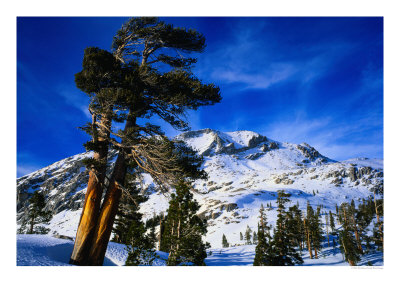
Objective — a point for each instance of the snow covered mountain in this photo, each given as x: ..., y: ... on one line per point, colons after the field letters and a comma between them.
x: 245, y: 170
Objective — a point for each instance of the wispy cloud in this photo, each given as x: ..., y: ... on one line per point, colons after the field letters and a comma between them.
x: 247, y: 61
x: 336, y: 140
x: 73, y: 97
x: 25, y: 169
x: 274, y: 74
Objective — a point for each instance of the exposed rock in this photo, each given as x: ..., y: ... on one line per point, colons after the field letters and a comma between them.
x: 229, y: 206
x: 337, y: 181
x: 310, y: 152
x: 352, y: 173
x: 254, y: 155
x: 215, y: 214
x: 64, y: 237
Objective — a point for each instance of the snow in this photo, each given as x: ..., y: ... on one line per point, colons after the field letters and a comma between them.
x: 44, y: 250
x: 235, y: 180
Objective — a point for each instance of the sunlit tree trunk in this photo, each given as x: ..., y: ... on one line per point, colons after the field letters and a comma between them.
x: 308, y: 239
x: 327, y: 229
x: 378, y: 220
x: 109, y: 208
x: 91, y: 206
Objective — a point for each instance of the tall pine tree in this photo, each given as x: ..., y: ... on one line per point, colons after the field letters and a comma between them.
x: 225, y: 243
x: 264, y: 252
x: 184, y: 229
x: 154, y: 78
x: 284, y: 251
x: 37, y: 216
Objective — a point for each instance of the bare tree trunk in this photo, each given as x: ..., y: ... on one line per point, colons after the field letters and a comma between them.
x: 308, y: 239
x: 31, y: 227
x: 107, y: 214
x: 357, y: 235
x: 327, y: 229
x: 109, y: 208
x: 91, y: 206
x: 159, y: 236
x: 378, y: 220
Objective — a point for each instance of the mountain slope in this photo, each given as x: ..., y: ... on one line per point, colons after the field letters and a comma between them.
x: 245, y: 170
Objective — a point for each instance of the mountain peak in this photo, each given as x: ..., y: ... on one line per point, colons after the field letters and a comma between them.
x: 210, y: 142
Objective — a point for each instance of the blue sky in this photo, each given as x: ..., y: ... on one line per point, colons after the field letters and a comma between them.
x: 314, y: 80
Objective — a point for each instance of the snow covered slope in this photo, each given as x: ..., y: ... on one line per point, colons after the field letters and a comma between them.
x: 245, y: 170
x: 44, y: 250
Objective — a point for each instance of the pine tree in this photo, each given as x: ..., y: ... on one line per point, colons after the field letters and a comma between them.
x: 348, y: 243
x: 129, y: 229
x: 327, y: 228
x: 184, y: 229
x: 225, y: 243
x: 333, y: 229
x: 241, y: 236
x: 317, y: 232
x: 284, y: 251
x: 254, y: 238
x: 378, y: 225
x: 36, y: 215
x: 264, y: 253
x: 128, y: 210
x: 248, y: 235
x: 100, y: 79
x: 295, y: 227
x: 151, y: 78
x: 307, y: 221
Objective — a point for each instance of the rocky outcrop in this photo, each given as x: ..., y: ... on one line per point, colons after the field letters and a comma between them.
x: 311, y: 153
x: 355, y: 173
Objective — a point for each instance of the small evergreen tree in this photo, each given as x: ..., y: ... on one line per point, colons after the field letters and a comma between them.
x: 140, y: 245
x: 248, y: 235
x: 317, y: 232
x: 184, y: 229
x: 254, y: 238
x: 264, y: 252
x: 241, y: 236
x: 37, y: 216
x: 333, y: 228
x: 284, y: 252
x: 295, y: 227
x: 378, y: 225
x: 348, y: 243
x: 225, y: 243
x: 128, y: 211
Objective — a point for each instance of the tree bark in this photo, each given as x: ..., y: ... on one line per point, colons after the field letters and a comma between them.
x: 109, y: 208
x: 31, y: 227
x: 160, y: 237
x: 357, y: 236
x: 327, y: 229
x: 308, y: 239
x: 91, y: 206
x: 378, y: 220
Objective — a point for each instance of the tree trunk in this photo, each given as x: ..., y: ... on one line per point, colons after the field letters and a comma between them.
x: 91, y: 206
x: 378, y: 220
x: 160, y: 237
x: 109, y: 208
x: 356, y: 234
x: 327, y: 229
x: 31, y: 227
x: 308, y: 239
x: 107, y: 214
